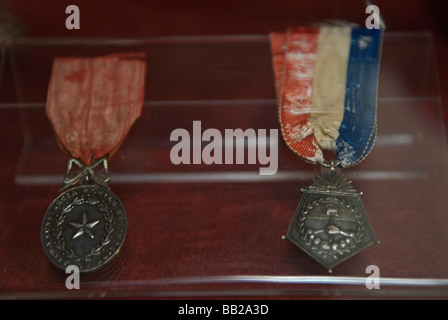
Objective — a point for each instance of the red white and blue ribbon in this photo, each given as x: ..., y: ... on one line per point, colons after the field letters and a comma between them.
x: 326, y: 79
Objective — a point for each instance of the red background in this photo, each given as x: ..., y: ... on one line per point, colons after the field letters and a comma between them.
x: 139, y: 18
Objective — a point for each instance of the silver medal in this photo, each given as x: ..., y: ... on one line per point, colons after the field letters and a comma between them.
x: 330, y: 223
x: 84, y: 226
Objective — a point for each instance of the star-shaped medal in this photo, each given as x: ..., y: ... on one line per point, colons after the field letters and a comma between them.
x: 85, y: 226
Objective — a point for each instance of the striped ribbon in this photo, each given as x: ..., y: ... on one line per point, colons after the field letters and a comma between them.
x: 326, y: 80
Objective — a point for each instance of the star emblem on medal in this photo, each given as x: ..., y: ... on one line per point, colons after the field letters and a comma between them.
x: 85, y: 226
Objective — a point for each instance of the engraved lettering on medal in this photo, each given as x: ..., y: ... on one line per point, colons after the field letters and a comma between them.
x: 86, y: 231
x: 236, y: 143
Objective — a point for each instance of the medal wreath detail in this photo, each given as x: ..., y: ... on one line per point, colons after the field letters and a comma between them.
x: 330, y: 223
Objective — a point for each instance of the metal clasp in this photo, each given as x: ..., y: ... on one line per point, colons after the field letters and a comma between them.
x: 86, y: 173
x: 332, y: 165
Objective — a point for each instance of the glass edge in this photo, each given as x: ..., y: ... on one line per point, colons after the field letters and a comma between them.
x: 339, y: 287
x: 110, y: 41
x: 106, y: 41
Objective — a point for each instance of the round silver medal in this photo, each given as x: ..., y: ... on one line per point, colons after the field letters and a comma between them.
x: 84, y: 226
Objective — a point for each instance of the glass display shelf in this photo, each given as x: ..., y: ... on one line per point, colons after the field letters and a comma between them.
x: 202, y: 230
